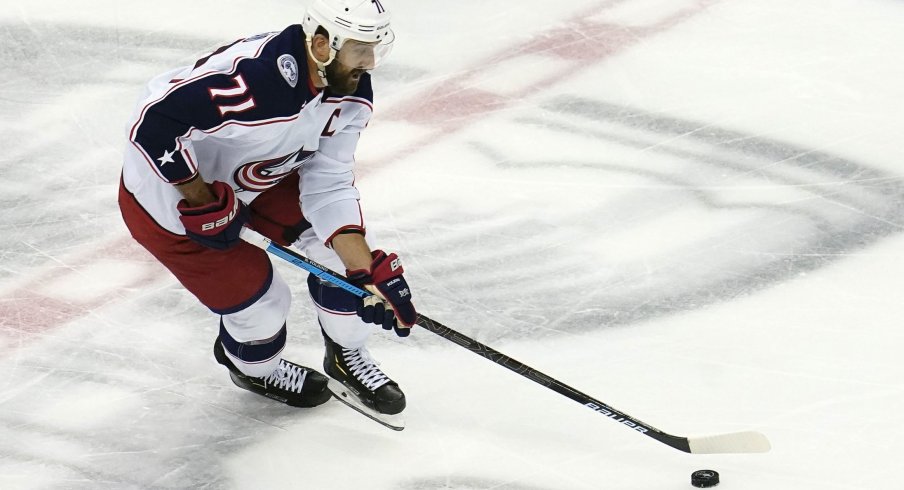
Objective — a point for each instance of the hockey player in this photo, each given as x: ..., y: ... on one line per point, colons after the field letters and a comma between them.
x: 262, y: 133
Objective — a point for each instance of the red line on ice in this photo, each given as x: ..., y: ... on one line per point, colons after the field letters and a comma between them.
x: 446, y: 108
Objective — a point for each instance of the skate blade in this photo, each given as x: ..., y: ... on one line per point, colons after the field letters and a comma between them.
x: 394, y: 422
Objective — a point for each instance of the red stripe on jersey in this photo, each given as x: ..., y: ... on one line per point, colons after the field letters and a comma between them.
x: 350, y: 99
x: 334, y: 312
x: 187, y: 154
x: 359, y: 227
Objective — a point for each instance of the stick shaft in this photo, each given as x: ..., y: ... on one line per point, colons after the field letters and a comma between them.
x: 677, y: 442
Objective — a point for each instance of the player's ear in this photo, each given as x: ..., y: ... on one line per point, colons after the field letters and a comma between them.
x: 320, y: 46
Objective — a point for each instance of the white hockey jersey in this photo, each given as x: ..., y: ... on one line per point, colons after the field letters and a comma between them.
x: 248, y: 115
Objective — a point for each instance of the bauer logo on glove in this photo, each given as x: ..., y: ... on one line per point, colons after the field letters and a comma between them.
x: 216, y: 224
x: 385, y: 281
x: 225, y: 220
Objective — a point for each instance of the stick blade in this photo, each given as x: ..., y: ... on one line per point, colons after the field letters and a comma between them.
x: 734, y: 442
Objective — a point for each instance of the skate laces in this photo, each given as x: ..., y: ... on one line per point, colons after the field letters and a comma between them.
x: 287, y: 376
x: 364, y: 367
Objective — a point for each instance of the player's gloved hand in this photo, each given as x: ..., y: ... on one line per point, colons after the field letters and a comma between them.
x: 217, y: 224
x: 385, y: 280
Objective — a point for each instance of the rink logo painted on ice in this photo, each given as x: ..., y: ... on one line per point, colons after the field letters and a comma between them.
x: 261, y: 175
x: 744, y: 212
x: 616, y: 417
x: 288, y: 67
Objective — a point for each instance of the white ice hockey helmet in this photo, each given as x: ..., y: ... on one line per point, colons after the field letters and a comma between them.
x: 362, y: 20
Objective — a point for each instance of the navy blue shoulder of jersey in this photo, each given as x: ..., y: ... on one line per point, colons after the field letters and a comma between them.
x: 270, y: 86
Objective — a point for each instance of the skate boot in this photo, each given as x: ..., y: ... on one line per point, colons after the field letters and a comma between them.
x: 290, y: 383
x: 358, y: 382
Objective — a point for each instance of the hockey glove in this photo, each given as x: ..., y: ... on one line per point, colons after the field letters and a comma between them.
x: 217, y: 224
x: 385, y: 280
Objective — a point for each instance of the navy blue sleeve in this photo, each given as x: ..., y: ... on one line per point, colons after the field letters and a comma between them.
x: 156, y: 137
x: 253, y: 91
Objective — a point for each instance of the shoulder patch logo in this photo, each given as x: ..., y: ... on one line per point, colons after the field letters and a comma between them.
x: 289, y: 69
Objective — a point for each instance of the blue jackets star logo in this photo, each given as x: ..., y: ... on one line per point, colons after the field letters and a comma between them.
x: 166, y: 158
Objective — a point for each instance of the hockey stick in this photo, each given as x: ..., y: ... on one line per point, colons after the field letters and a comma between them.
x: 733, y: 442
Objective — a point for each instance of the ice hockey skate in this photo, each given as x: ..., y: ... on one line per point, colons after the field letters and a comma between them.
x: 357, y: 381
x: 290, y: 383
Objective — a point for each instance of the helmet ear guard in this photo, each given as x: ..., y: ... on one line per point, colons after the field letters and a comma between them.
x: 365, y: 21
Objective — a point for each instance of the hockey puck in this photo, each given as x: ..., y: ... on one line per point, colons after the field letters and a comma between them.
x: 704, y: 478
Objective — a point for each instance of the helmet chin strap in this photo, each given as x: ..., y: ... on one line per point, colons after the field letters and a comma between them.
x: 321, y: 66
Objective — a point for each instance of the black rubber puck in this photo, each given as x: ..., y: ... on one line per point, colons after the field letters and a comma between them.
x: 704, y: 478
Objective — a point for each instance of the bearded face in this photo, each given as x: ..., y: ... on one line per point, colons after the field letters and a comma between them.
x: 353, y: 60
x: 343, y: 80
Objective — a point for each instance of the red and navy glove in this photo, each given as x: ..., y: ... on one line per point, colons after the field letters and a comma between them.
x: 384, y: 279
x: 216, y: 224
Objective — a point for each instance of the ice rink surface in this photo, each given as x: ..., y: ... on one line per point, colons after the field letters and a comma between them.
x: 689, y: 209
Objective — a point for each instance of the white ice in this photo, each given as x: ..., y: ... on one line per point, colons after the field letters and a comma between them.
x: 689, y: 209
